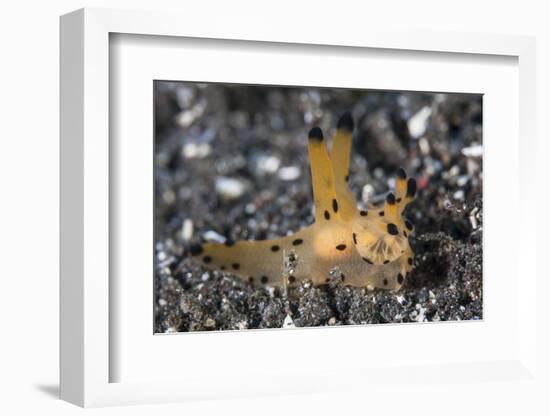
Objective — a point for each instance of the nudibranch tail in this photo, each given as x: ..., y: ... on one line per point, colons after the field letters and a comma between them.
x: 254, y: 261
x: 261, y: 262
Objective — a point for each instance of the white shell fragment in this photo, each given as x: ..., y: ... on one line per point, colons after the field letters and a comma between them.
x: 289, y: 173
x: 194, y: 150
x: 288, y: 322
x: 473, y: 151
x: 267, y: 164
x: 419, y: 122
x: 213, y: 236
x: 230, y: 188
x: 187, y: 229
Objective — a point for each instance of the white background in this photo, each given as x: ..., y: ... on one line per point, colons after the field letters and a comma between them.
x: 29, y: 183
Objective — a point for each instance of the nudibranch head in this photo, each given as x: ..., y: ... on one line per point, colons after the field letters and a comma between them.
x: 380, y: 235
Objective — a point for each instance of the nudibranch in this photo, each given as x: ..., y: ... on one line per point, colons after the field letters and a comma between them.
x: 365, y: 248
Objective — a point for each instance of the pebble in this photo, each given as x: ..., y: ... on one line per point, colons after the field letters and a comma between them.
x: 186, y: 118
x: 169, y: 197
x: 266, y: 164
x: 187, y: 229
x: 424, y: 146
x: 213, y: 236
x: 418, y: 123
x: 367, y: 193
x: 473, y: 151
x: 459, y: 195
x: 454, y: 171
x: 194, y: 150
x: 289, y: 173
x: 421, y: 315
x: 184, y: 95
x: 288, y: 322
x: 462, y: 180
x: 473, y: 219
x: 230, y: 188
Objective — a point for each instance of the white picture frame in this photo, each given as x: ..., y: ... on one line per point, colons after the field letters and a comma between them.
x: 87, y: 356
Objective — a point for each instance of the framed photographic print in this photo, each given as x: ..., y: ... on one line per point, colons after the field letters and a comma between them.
x: 286, y: 213
x: 247, y: 238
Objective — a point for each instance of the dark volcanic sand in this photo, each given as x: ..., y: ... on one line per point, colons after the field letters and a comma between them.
x: 231, y: 162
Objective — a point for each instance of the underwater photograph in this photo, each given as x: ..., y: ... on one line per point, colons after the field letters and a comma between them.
x: 285, y: 207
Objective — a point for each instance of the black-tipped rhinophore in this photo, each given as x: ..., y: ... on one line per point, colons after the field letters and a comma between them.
x: 401, y: 174
x: 195, y: 249
x: 411, y: 188
x: 315, y: 134
x: 346, y: 122
x: 390, y: 199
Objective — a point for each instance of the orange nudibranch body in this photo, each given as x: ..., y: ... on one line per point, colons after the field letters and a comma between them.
x: 364, y: 248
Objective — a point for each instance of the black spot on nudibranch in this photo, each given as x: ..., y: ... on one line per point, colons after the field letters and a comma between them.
x: 222, y: 267
x: 411, y: 188
x: 385, y: 282
x: 207, y: 259
x: 392, y: 229
x: 341, y: 247
x: 404, y: 233
x: 363, y: 213
x: 354, y: 238
x: 399, y: 278
x: 275, y: 248
x: 346, y: 178
x: 345, y: 122
x: 401, y: 174
x: 327, y: 215
x: 291, y: 279
x: 195, y: 249
x: 264, y: 279
x: 381, y: 213
x: 367, y: 260
x: 251, y: 279
x: 410, y: 261
x: 315, y: 134
x: 236, y: 266
x: 335, y: 205
x: 297, y: 242
x: 390, y: 199
x: 408, y: 225
x: 386, y: 261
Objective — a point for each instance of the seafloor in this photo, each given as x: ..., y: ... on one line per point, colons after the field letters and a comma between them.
x: 231, y: 162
